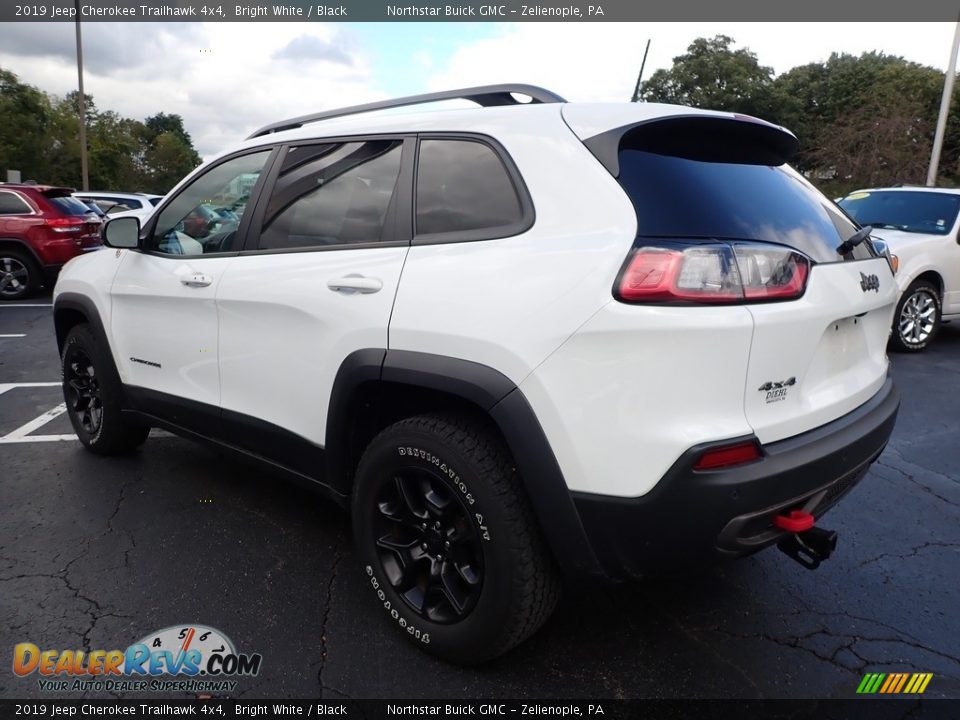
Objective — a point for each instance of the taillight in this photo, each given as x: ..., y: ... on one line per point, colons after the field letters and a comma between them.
x: 65, y: 225
x: 712, y: 272
x: 728, y: 455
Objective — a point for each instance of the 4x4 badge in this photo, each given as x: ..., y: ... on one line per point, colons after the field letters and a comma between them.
x: 869, y: 282
x: 777, y: 390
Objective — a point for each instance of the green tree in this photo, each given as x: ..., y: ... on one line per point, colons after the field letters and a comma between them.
x: 167, y: 160
x: 712, y: 75
x: 39, y: 135
x: 866, y: 120
x: 25, y: 116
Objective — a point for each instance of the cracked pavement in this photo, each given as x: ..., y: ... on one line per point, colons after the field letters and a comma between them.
x: 95, y: 553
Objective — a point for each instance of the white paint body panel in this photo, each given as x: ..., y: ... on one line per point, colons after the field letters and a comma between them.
x: 919, y: 253
x: 509, y: 303
x: 284, y: 333
x: 839, y: 360
x: 158, y: 319
x: 636, y: 386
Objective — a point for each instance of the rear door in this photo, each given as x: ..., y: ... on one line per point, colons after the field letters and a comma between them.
x: 316, y: 282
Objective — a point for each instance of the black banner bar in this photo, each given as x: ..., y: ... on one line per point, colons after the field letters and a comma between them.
x: 867, y: 709
x: 473, y: 11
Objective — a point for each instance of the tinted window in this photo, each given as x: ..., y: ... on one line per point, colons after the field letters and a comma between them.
x: 332, y: 194
x: 677, y: 197
x: 461, y: 186
x: 155, y: 201
x: 920, y: 212
x: 11, y: 204
x: 205, y: 215
x: 68, y: 205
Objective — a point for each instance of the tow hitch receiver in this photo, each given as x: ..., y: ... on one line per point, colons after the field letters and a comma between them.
x: 806, y: 544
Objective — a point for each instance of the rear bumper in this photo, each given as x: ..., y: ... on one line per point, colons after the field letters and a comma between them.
x: 692, y: 516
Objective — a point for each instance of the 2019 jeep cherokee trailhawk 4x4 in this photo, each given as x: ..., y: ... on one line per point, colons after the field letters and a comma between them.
x: 518, y: 341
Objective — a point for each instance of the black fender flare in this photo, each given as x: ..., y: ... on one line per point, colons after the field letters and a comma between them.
x: 83, y: 305
x: 503, y: 402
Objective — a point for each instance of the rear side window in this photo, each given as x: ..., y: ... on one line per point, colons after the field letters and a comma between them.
x: 12, y: 204
x: 679, y: 197
x: 68, y: 205
x: 463, y: 186
x: 333, y: 194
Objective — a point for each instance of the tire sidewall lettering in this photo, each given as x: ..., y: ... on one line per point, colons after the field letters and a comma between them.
x: 412, y: 629
x: 445, y: 470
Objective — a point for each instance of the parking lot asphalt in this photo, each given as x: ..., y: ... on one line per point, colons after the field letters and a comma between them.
x: 96, y: 553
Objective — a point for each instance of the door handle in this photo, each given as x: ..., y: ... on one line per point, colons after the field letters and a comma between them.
x: 196, y: 280
x: 355, y: 284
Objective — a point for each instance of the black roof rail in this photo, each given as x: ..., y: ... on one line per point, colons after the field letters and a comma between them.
x: 483, y: 95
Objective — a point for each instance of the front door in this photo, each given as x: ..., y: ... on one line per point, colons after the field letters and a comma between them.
x: 164, y: 322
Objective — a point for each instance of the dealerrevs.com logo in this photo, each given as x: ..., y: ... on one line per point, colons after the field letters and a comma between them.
x: 180, y: 658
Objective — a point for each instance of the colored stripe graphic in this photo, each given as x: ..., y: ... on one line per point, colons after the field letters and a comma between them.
x: 894, y: 683
x: 892, y: 679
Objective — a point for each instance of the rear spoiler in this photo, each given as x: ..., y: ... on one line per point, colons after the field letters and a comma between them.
x: 708, y: 138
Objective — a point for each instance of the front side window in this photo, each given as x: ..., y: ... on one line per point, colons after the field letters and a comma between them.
x: 463, y: 186
x: 204, y: 216
x: 332, y: 194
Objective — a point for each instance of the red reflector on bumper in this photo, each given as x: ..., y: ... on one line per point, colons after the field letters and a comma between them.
x: 727, y: 456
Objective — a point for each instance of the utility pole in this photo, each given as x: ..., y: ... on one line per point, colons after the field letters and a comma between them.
x: 636, y: 90
x: 944, y: 110
x: 84, y: 172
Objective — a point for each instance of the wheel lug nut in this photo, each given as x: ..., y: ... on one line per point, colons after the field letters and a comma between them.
x: 423, y: 546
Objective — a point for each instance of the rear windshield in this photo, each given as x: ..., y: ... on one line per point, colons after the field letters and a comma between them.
x: 69, y: 205
x: 919, y: 212
x: 677, y: 197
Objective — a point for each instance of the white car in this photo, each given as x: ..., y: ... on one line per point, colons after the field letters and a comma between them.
x: 921, y: 229
x: 520, y: 342
x: 115, y: 204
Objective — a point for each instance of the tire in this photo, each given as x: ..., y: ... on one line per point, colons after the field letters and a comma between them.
x: 93, y: 393
x: 917, y: 318
x: 19, y: 275
x: 439, y: 486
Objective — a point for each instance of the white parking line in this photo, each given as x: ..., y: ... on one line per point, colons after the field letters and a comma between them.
x: 10, y: 386
x: 37, y: 422
x: 22, y: 433
x: 14, y: 335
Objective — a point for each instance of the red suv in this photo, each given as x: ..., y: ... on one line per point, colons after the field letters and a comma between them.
x: 41, y: 227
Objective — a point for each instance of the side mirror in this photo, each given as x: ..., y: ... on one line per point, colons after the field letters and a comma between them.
x: 121, y: 232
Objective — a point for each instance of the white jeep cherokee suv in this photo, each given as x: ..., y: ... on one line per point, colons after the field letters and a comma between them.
x: 921, y: 228
x: 519, y: 342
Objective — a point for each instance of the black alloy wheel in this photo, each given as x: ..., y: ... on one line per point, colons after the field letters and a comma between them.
x: 83, y: 391
x: 430, y: 552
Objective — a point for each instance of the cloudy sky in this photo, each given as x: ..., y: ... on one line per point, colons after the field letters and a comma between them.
x: 228, y: 79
